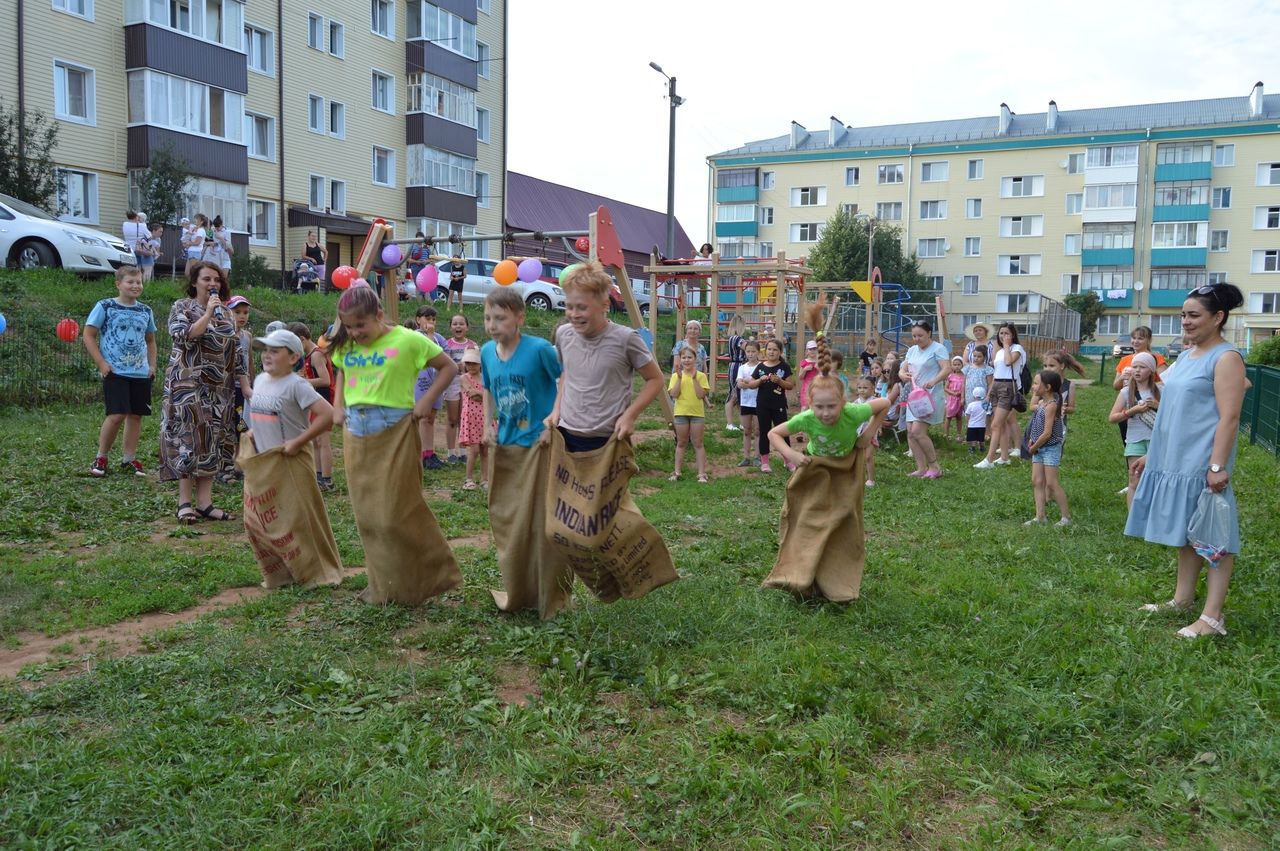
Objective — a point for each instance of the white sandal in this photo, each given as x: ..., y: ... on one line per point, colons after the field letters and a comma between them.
x: 1170, y: 606
x: 1219, y: 627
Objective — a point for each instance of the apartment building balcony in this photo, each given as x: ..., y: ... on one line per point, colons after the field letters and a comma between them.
x: 1112, y: 298
x: 1106, y: 257
x: 1099, y: 215
x: 1162, y: 257
x: 1184, y: 171
x: 1166, y: 298
x: 149, y: 46
x: 737, y: 194
x: 1180, y: 212
x: 432, y: 203
x: 205, y: 157
x: 1099, y: 175
x: 750, y: 228
x: 448, y: 135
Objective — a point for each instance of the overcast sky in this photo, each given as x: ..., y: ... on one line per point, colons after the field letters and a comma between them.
x: 586, y: 110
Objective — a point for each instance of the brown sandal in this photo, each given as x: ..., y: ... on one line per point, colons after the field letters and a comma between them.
x: 211, y: 512
x: 187, y: 515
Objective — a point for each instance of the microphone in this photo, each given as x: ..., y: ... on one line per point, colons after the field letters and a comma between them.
x: 217, y: 311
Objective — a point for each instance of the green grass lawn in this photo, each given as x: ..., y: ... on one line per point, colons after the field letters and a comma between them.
x: 994, y: 688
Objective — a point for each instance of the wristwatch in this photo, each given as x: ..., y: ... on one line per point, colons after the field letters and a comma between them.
x: 1216, y: 468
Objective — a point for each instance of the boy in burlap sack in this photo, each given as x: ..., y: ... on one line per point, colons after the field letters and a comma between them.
x: 406, y: 557
x: 822, y: 547
x: 520, y: 375
x: 284, y: 514
x: 591, y: 518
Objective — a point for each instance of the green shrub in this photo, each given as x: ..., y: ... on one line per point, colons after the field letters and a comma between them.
x: 253, y: 271
x: 1266, y: 352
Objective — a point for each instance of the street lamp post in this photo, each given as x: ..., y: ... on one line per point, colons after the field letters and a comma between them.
x: 675, y: 100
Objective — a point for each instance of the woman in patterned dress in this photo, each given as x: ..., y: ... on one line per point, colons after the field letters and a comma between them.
x: 198, y: 428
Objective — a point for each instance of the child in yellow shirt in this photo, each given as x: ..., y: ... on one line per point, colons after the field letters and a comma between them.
x: 689, y: 389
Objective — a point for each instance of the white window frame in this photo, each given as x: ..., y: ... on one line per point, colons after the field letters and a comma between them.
x: 337, y: 28
x: 1221, y: 194
x: 766, y: 216
x: 969, y: 284
x: 1030, y: 186
x: 1265, y: 261
x: 1266, y: 217
x: 1071, y: 243
x: 806, y: 231
x: 1224, y: 155
x: 482, y: 189
x: 87, y: 14
x: 973, y: 246
x: 1220, y: 240
x: 338, y: 128
x: 267, y: 55
x: 735, y: 212
x: 390, y: 18
x: 883, y: 207
x: 851, y: 175
x: 442, y: 98
x: 808, y: 196
x: 444, y: 170
x: 976, y: 169
x: 1184, y: 235
x: 60, y: 93
x: 768, y: 180
x: 1018, y: 227
x: 1112, y: 189
x: 1166, y: 325
x: 374, y: 73
x: 229, y: 17
x: 250, y: 126
x: 1018, y: 265
x: 483, y: 57
x: 153, y: 103
x: 482, y: 125
x: 1269, y: 174
x: 390, y: 155
x: 1078, y: 205
x: 935, y: 171
x: 931, y: 248
x: 312, y: 101
x: 315, y: 31
x: 271, y: 217
x: 935, y: 282
x: 485, y: 6
x: 90, y: 184
x: 1217, y: 278
x: 338, y: 192
x: 1112, y: 325
x: 1070, y: 283
x: 1076, y: 162
x: 931, y: 211
x: 973, y: 208
x: 311, y: 192
x: 889, y: 174
x: 766, y: 248
x: 1111, y: 156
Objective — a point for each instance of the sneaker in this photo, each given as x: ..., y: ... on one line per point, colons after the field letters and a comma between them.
x: 731, y: 427
x: 99, y: 467
x: 1034, y: 521
x: 432, y: 462
x: 1065, y: 521
x: 1015, y: 453
x: 764, y: 468
x: 984, y: 464
x: 457, y: 459
x: 745, y: 462
x: 326, y: 485
x: 999, y: 463
x: 1124, y: 490
x: 134, y: 467
x: 871, y: 483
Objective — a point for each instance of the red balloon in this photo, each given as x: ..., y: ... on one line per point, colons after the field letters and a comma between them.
x: 68, y: 330
x: 582, y: 244
x: 343, y: 276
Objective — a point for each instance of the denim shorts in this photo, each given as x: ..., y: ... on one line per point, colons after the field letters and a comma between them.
x: 1049, y: 456
x: 366, y: 420
x: 683, y: 420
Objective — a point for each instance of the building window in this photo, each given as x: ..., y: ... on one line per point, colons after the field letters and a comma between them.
x: 1025, y: 186
x: 1217, y: 277
x: 1075, y: 203
x: 889, y: 173
x: 969, y: 284
x: 850, y: 210
x: 315, y: 31
x: 851, y: 175
x: 766, y: 215
x: 1106, y: 156
x: 482, y: 189
x: 1014, y: 303
x: 260, y: 133
x: 933, y: 172
x: 1180, y: 235
x: 1264, y: 302
x: 1071, y: 244
x: 1224, y: 155
x: 384, y: 166
x: 441, y: 98
x: 211, y: 197
x: 806, y: 232
x: 73, y: 93
x: 927, y: 248
x: 1070, y: 283
x: 1106, y: 236
x: 766, y: 249
x: 337, y: 39
x: 315, y: 113
x: 384, y: 92
x: 1179, y: 192
x: 1112, y: 325
x: 79, y: 8
x: 217, y: 21
x: 933, y: 209
x: 1110, y: 196
x: 77, y: 196
x: 1180, y: 280
x: 1019, y: 264
x: 1222, y: 198
x: 808, y: 196
x: 736, y: 213
x: 1075, y: 163
x: 1266, y: 261
x: 1166, y: 324
x: 889, y: 211
x: 1022, y: 225
x: 1106, y: 278
x: 485, y: 6
x: 338, y: 196
x: 1182, y: 152
x: 934, y: 282
x: 1218, y: 240
x: 973, y: 208
x: 445, y: 29
x: 262, y: 222
x: 1266, y: 218
x: 975, y: 169
x: 184, y: 105
x: 482, y: 60
x: 337, y: 119
x: 482, y: 125
x: 257, y: 46
x: 316, y: 198
x: 973, y: 246
x: 734, y: 177
x: 441, y: 169
x: 767, y: 179
x: 1269, y: 174
x: 383, y: 18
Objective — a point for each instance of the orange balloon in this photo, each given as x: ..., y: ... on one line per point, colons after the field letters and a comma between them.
x: 505, y: 273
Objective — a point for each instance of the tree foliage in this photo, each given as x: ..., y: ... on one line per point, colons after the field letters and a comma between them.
x: 1266, y: 352
x: 162, y: 187
x: 841, y: 255
x: 1090, y: 308
x: 31, y: 176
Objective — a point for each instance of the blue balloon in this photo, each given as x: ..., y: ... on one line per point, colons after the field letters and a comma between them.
x: 4, y: 324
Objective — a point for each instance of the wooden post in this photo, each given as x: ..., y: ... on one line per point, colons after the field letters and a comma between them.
x: 713, y: 361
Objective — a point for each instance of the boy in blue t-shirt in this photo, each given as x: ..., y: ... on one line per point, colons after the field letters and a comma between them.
x: 120, y: 335
x: 519, y: 374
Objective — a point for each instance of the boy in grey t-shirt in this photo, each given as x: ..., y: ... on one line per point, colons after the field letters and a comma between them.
x: 285, y: 410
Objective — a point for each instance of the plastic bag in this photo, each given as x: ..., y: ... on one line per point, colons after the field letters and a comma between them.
x: 920, y: 403
x: 1210, y: 528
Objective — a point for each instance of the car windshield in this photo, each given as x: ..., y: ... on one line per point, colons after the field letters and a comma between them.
x: 25, y: 209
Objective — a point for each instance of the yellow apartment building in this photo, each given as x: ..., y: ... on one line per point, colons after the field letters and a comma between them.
x: 294, y: 115
x: 1138, y: 203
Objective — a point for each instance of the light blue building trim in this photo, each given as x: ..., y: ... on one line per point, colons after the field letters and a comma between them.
x: 1127, y: 301
x: 1184, y: 171
x: 1180, y: 213
x: 1166, y: 298
x: 1163, y: 257
x: 736, y: 228
x: 737, y: 194
x: 1106, y: 257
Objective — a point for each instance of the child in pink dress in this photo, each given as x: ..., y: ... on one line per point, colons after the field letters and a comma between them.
x: 955, y: 399
x: 471, y: 427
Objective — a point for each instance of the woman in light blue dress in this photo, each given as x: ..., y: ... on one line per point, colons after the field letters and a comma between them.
x: 930, y: 366
x: 1193, y: 447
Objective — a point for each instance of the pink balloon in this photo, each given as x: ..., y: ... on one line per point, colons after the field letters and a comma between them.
x: 359, y: 282
x: 428, y: 278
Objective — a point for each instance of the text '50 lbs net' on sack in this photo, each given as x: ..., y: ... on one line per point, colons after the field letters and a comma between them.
x: 594, y: 523
x: 285, y: 518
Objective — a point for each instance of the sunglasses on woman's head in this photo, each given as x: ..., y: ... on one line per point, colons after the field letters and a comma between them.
x: 1205, y: 290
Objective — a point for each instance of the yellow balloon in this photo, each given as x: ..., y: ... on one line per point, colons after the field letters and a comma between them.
x: 505, y: 273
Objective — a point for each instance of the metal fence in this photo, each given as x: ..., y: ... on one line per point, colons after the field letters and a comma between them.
x: 1260, y: 417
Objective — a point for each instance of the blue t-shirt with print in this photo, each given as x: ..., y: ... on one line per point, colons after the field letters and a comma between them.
x: 122, y: 335
x: 523, y: 387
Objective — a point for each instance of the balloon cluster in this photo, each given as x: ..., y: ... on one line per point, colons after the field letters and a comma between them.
x: 507, y: 272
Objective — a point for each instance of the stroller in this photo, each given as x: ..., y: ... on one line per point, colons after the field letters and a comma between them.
x: 305, y: 279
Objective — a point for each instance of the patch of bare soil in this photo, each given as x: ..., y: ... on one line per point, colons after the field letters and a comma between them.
x: 480, y: 541
x: 647, y: 435
x: 645, y: 490
x: 517, y: 685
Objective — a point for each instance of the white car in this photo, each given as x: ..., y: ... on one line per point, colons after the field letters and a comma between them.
x: 30, y: 238
x: 538, y: 295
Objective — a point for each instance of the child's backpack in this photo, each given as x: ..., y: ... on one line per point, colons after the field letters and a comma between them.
x: 920, y: 402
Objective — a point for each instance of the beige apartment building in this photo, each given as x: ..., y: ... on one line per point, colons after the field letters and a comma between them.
x: 1138, y: 203
x: 294, y: 115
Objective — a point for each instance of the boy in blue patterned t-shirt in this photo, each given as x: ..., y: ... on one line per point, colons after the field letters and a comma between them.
x: 120, y: 335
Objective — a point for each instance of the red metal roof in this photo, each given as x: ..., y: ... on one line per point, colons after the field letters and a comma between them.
x: 534, y: 204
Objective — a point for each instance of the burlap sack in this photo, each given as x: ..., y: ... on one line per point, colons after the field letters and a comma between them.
x: 821, y: 545
x: 594, y: 524
x: 285, y: 518
x: 535, y: 574
x: 406, y: 557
